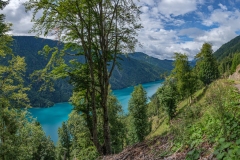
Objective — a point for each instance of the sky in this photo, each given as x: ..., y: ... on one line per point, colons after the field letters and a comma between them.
x: 169, y: 25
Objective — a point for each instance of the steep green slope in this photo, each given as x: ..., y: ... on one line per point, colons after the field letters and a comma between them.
x: 28, y: 47
x: 208, y: 128
x: 163, y: 64
x: 133, y: 70
x: 228, y: 48
x: 136, y: 68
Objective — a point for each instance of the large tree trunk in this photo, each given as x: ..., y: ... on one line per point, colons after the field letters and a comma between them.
x: 94, y: 108
x: 107, y: 138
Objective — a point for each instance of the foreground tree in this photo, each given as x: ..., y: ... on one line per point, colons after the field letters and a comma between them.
x: 206, y: 67
x: 137, y: 106
x: 99, y: 30
x: 75, y: 139
x: 20, y: 138
x: 117, y: 127
x: 64, y: 141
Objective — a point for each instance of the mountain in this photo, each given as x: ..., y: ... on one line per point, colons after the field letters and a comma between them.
x: 231, y: 47
x: 164, y: 64
x: 228, y: 56
x: 134, y: 69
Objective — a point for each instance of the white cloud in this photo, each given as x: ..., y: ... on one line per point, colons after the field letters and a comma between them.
x: 222, y: 6
x: 217, y: 35
x: 210, y: 8
x: 177, y: 7
x: 228, y: 22
x: 149, y: 2
x: 219, y: 16
x: 191, y: 32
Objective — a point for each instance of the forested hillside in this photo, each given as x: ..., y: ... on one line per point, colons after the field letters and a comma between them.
x: 228, y: 56
x: 133, y: 69
x: 194, y: 115
x: 227, y: 49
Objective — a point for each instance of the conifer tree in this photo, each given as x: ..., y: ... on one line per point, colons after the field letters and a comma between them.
x: 137, y: 107
x: 167, y: 95
x: 181, y: 73
x: 235, y: 62
x: 64, y: 141
x: 206, y: 67
x: 184, y: 77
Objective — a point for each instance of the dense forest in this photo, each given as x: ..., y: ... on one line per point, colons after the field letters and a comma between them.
x: 193, y: 115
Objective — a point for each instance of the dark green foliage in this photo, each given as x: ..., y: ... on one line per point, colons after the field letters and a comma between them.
x: 138, y: 68
x: 153, y: 106
x: 228, y: 48
x: 229, y: 64
x: 137, y: 107
x: 193, y: 154
x: 81, y: 146
x: 117, y: 127
x: 28, y: 47
x: 206, y: 67
x: 225, y: 55
x: 235, y: 62
x: 75, y: 138
x: 183, y: 76
x: 45, y: 149
x: 164, y: 64
x: 64, y: 140
x: 167, y: 95
x: 20, y: 136
x: 23, y: 138
x: 225, y: 66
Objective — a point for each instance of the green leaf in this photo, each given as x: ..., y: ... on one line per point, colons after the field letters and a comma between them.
x: 221, y: 140
x: 220, y: 156
x: 238, y: 141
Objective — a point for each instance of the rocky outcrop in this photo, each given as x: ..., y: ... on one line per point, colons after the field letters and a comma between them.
x: 236, y: 75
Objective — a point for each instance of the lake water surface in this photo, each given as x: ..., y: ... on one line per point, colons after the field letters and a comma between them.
x: 51, y: 118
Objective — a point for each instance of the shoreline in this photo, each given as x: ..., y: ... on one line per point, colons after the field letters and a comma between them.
x: 160, y: 80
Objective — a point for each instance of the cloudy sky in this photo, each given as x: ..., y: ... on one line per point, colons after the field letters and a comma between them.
x: 169, y: 25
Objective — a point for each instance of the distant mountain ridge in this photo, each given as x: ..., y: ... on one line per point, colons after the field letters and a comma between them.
x: 231, y: 47
x: 134, y: 69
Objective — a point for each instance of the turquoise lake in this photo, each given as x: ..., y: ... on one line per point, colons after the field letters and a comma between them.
x: 51, y: 118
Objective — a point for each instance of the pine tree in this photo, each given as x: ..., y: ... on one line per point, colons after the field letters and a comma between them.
x: 167, y: 95
x: 64, y: 141
x: 137, y: 107
x: 181, y: 73
x: 235, y: 62
x: 206, y: 67
x: 184, y: 77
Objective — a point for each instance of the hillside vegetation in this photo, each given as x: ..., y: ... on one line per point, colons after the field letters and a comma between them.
x: 228, y: 56
x: 203, y: 124
x: 206, y: 128
x: 228, y: 49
